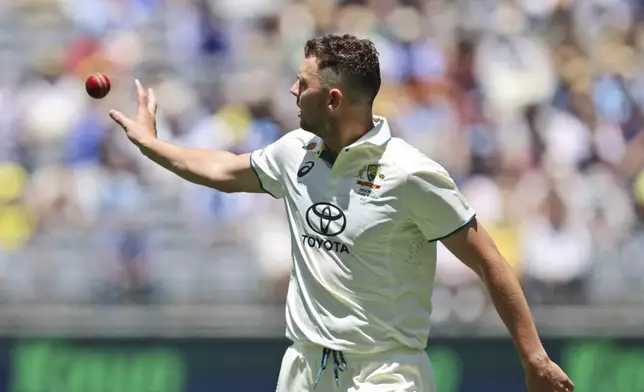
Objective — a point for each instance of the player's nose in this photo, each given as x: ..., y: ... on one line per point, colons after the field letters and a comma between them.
x: 295, y: 88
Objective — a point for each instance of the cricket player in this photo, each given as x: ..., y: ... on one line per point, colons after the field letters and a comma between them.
x: 365, y: 211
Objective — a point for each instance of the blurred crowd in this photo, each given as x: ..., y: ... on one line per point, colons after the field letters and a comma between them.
x: 534, y: 106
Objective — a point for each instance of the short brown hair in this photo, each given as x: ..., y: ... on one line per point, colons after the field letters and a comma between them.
x: 353, y: 60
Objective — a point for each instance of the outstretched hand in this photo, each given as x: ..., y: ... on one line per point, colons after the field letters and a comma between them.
x: 143, y: 127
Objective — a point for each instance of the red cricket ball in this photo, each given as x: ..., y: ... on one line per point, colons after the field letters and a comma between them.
x: 98, y: 85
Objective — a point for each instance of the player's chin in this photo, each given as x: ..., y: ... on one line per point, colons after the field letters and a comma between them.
x: 308, y: 125
x: 305, y: 125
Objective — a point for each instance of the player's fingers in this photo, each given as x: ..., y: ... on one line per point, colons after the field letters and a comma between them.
x: 152, y: 102
x: 142, y: 97
x: 120, y: 119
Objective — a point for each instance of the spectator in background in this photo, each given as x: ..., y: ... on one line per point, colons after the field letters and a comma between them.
x: 126, y: 280
x: 557, y: 254
x: 620, y: 269
x: 123, y: 274
x: 17, y: 219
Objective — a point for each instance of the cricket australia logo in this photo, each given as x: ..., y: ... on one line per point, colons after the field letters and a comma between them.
x: 367, y: 176
x: 326, y: 220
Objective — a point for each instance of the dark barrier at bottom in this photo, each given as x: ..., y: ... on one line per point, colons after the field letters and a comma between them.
x: 200, y: 365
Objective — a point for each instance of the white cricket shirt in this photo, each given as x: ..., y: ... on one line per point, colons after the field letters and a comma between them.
x: 363, y: 234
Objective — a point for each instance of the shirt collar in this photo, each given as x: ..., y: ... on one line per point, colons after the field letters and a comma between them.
x: 379, y: 135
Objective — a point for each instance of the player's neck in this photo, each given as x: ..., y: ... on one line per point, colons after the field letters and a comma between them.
x: 348, y: 132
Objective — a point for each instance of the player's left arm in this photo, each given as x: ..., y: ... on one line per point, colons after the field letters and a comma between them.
x: 475, y: 248
x: 438, y: 209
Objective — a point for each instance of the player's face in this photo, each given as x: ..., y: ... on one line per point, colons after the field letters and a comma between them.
x: 312, y: 98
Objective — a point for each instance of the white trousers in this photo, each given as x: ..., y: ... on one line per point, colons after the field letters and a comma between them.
x: 400, y: 370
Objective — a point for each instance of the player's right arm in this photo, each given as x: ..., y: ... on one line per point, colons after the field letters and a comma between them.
x: 221, y: 170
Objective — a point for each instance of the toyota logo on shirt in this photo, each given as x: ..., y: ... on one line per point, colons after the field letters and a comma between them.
x: 326, y: 219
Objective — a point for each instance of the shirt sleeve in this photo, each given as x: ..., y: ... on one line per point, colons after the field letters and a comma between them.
x: 434, y: 203
x: 265, y: 164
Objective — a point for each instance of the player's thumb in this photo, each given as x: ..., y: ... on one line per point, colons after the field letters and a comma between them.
x: 120, y: 119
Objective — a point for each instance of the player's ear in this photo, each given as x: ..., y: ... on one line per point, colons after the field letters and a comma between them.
x: 335, y: 98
